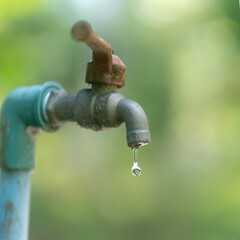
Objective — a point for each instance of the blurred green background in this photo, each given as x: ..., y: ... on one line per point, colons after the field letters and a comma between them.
x: 183, y: 67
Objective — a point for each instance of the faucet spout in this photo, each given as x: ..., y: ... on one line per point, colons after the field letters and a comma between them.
x: 100, y: 110
x: 136, y: 122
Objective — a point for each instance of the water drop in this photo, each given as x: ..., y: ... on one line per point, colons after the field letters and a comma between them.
x: 136, y: 170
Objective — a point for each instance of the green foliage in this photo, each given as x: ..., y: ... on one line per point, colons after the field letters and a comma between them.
x: 182, y: 62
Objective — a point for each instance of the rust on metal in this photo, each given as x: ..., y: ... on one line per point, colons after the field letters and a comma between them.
x: 105, y: 67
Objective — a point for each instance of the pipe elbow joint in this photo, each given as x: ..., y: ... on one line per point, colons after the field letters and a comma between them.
x: 22, y: 108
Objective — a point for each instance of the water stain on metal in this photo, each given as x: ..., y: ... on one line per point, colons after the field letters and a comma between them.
x: 8, y: 220
x: 8, y: 208
x: 3, y: 145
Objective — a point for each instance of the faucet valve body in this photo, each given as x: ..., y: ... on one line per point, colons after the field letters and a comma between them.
x: 98, y: 111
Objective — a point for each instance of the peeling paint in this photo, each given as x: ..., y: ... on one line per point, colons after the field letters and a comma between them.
x: 33, y: 132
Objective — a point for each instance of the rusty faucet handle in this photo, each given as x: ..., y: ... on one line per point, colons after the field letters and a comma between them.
x: 105, y: 67
x: 82, y: 31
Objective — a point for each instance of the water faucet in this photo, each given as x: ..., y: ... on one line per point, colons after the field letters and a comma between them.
x: 28, y: 109
x: 101, y: 106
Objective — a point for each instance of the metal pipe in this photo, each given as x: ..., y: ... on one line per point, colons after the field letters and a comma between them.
x: 60, y: 107
x: 66, y: 102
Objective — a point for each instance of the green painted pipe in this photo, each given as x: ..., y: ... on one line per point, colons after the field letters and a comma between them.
x: 22, y: 114
x: 21, y: 117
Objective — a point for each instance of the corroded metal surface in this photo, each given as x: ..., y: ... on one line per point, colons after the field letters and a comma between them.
x: 104, y: 67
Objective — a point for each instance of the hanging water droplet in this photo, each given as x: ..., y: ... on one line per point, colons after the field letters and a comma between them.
x: 136, y: 170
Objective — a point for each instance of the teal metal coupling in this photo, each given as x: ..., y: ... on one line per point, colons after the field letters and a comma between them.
x: 22, y: 117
